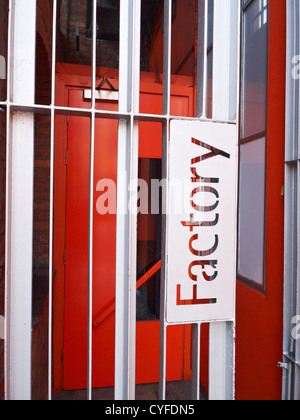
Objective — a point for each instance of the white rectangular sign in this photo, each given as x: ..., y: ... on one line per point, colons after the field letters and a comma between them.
x: 201, y: 222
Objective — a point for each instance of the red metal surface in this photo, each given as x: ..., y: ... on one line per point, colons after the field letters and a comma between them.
x: 259, y: 317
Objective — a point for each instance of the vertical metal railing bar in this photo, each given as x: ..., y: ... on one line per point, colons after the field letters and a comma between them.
x: 164, y: 262
x: 289, y: 241
x: 291, y: 193
x: 131, y: 355
x: 20, y: 189
x: 122, y: 225
x: 167, y: 56
x: 134, y: 143
x: 201, y: 111
x: 205, y: 60
x: 91, y: 207
x: 200, y: 58
x: 222, y: 334
x: 7, y: 207
x: 165, y: 149
x: 51, y: 209
x: 128, y: 150
x: 294, y: 350
x: 196, y: 337
x: 297, y: 286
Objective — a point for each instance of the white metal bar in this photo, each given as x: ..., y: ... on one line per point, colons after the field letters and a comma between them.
x: 297, y: 279
x: 205, y: 60
x: 19, y: 247
x: 122, y: 227
x: 221, y: 59
x: 132, y: 259
x: 167, y: 56
x: 164, y: 262
x: 51, y: 199
x: 165, y: 148
x: 225, y: 57
x: 201, y: 93
x: 128, y: 144
x: 91, y: 208
x: 291, y: 376
x: 196, y: 337
x: 221, y: 361
x: 20, y: 190
x: 134, y: 147
x: 7, y: 210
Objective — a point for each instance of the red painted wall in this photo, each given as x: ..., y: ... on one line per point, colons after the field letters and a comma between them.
x: 259, y: 318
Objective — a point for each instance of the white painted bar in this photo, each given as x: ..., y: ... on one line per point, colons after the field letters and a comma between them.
x: 7, y: 211
x: 164, y: 265
x: 20, y: 258
x: 201, y: 57
x: 165, y: 154
x: 51, y: 209
x: 167, y: 56
x: 196, y: 337
x: 226, y: 56
x: 221, y: 60
x: 20, y: 204
x: 134, y: 164
x: 291, y: 346
x: 91, y: 209
x: 126, y: 251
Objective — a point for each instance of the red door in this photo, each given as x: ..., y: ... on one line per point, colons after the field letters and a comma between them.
x: 259, y: 313
x: 76, y: 268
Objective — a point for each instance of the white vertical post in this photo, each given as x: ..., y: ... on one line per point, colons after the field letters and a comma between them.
x: 225, y: 71
x: 291, y: 346
x: 165, y: 149
x: 128, y: 143
x: 196, y: 337
x: 51, y: 209
x: 201, y: 99
x: 20, y: 171
x: 91, y: 209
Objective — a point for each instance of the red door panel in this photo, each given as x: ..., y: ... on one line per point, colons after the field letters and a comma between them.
x: 76, y: 269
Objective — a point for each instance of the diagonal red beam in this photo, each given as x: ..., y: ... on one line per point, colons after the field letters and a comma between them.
x: 112, y: 306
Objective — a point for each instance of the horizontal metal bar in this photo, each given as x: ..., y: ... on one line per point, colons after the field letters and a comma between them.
x: 287, y: 162
x: 83, y: 112
x: 150, y: 117
x: 68, y: 111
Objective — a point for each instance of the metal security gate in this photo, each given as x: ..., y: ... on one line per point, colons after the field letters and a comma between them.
x: 291, y: 349
x: 217, y: 60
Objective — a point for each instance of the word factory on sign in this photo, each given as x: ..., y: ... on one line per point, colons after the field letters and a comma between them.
x: 201, y: 241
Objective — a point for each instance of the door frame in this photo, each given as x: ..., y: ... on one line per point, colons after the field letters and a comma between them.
x: 70, y: 76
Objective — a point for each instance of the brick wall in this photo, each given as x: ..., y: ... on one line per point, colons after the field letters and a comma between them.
x: 39, y: 357
x: 42, y: 160
x: 72, y: 17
